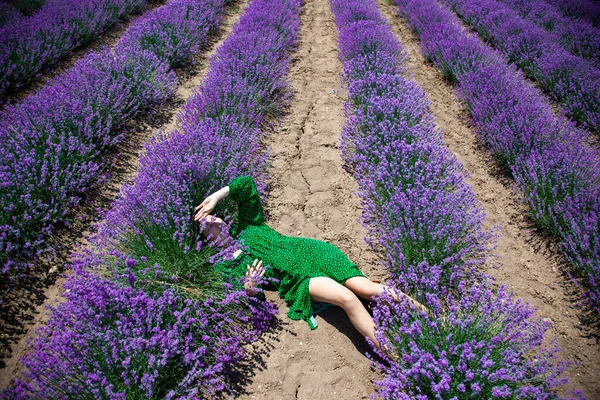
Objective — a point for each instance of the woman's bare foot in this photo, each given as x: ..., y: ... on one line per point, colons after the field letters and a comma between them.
x: 396, y: 295
x: 389, y: 352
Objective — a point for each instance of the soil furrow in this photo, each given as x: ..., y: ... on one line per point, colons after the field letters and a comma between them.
x: 24, y: 309
x: 531, y: 264
x: 312, y: 196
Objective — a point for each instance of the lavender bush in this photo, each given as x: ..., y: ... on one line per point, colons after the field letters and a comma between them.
x: 229, y: 90
x: 174, y: 31
x: 28, y: 7
x: 52, y: 141
x: 146, y: 314
x: 220, y: 139
x: 587, y: 10
x: 418, y: 207
x: 8, y: 14
x: 521, y: 131
x: 109, y: 340
x: 487, y: 345
x: 153, y: 217
x: 573, y: 82
x: 425, y: 219
x: 578, y: 36
x: 29, y: 44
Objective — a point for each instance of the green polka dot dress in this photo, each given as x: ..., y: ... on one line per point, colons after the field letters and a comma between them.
x: 292, y: 260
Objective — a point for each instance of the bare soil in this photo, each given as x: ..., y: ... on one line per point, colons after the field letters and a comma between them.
x: 531, y: 264
x: 23, y: 308
x: 312, y: 196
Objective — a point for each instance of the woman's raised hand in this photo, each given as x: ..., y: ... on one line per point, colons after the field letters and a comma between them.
x: 206, y: 207
x: 253, y: 273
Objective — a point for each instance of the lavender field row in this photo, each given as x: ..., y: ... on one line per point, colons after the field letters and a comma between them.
x: 27, y: 7
x: 587, y: 10
x: 474, y: 341
x: 568, y: 79
x: 15, y: 11
x: 30, y: 43
x: 579, y: 37
x: 52, y: 143
x: 557, y: 172
x: 147, y: 315
x: 9, y: 14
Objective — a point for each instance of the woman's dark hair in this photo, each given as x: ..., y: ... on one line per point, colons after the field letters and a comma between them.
x: 198, y: 233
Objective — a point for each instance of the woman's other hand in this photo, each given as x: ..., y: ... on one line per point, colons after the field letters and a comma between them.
x: 206, y: 207
x: 253, y: 274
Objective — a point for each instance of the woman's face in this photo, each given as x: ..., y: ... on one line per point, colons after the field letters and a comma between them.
x: 213, y: 227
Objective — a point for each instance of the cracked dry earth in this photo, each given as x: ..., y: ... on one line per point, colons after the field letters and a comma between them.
x: 312, y: 196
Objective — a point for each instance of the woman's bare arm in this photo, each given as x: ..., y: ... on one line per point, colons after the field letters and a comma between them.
x: 208, y: 204
x: 221, y: 193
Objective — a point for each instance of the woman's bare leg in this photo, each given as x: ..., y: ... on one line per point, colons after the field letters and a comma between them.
x: 329, y: 291
x: 368, y: 289
x: 364, y: 287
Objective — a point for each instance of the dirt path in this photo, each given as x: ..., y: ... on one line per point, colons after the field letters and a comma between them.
x: 24, y: 310
x: 312, y: 196
x: 531, y: 264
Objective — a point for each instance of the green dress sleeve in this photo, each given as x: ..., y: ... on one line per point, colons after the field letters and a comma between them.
x: 242, y: 190
x: 234, y: 271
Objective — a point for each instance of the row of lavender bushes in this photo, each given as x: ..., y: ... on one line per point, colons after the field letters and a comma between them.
x: 14, y: 12
x: 28, y: 44
x: 587, y: 10
x: 52, y: 143
x: 27, y: 7
x: 579, y: 37
x: 558, y: 173
x: 8, y: 14
x: 568, y: 79
x: 147, y: 315
x: 476, y: 342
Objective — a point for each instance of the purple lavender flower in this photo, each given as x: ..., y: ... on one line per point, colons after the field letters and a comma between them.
x: 9, y: 14
x: 174, y: 31
x: 487, y: 345
x: 111, y: 340
x: 424, y: 219
x: 30, y: 43
x: 570, y: 80
x: 587, y: 10
x: 576, y: 35
x: 139, y: 319
x: 417, y: 206
x: 518, y: 126
x: 52, y: 141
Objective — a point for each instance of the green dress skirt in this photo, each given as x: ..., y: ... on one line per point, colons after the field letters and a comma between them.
x: 291, y: 260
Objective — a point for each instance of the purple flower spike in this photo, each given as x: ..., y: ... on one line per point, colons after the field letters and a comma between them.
x: 557, y: 171
x: 147, y: 314
x: 487, y: 346
x: 52, y: 142
x: 572, y: 81
x: 472, y: 342
x: 27, y: 44
x: 578, y: 36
